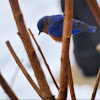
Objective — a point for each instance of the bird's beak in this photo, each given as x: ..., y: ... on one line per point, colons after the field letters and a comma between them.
x: 39, y: 33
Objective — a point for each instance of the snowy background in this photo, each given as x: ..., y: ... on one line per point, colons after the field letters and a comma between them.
x: 32, y: 10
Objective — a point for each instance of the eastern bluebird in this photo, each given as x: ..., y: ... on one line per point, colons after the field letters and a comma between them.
x: 53, y: 26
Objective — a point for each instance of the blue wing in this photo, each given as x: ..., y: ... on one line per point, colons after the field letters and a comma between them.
x: 79, y: 26
x: 55, y: 18
x: 55, y: 27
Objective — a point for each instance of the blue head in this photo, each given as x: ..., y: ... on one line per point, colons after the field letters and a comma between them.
x: 42, y: 24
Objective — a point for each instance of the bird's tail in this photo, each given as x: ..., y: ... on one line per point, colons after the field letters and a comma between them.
x: 92, y: 29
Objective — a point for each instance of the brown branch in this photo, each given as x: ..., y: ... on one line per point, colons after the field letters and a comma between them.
x: 29, y: 47
x: 71, y: 84
x: 7, y: 88
x: 41, y: 94
x: 95, y: 9
x: 44, y: 59
x: 96, y: 85
x: 65, y: 63
x: 14, y: 78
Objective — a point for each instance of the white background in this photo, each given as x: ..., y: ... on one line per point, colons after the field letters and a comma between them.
x: 32, y: 10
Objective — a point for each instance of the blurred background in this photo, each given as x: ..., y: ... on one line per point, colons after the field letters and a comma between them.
x: 33, y: 10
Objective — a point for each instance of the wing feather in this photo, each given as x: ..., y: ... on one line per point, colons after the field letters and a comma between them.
x: 56, y: 29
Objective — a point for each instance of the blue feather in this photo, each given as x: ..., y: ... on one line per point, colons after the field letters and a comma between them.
x: 56, y: 29
x: 55, y: 25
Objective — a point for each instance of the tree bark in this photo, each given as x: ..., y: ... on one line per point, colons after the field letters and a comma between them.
x: 65, y: 63
x: 7, y: 88
x: 28, y: 47
x: 28, y: 77
x: 46, y: 64
x: 95, y: 9
x: 96, y: 85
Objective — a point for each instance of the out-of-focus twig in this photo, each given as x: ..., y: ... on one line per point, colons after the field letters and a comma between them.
x: 98, y: 47
x: 23, y: 33
x: 71, y: 84
x: 65, y: 63
x: 14, y: 76
x: 41, y: 94
x: 7, y: 88
x: 95, y: 9
x: 96, y: 85
x: 44, y: 59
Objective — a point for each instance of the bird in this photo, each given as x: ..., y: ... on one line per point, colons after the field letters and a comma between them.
x: 53, y: 26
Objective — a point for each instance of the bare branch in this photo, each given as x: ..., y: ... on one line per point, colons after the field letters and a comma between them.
x: 65, y: 63
x: 29, y: 47
x: 41, y: 94
x: 71, y: 84
x: 7, y: 88
x: 96, y: 85
x: 44, y: 59
x: 95, y: 9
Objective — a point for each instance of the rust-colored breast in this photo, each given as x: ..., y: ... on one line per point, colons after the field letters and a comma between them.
x: 58, y: 39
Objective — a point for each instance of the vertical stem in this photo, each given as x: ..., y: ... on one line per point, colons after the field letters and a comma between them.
x: 95, y: 9
x: 96, y: 12
x: 23, y: 33
x: 96, y: 85
x: 67, y: 29
x: 71, y: 84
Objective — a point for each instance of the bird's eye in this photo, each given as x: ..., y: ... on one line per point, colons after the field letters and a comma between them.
x: 41, y: 27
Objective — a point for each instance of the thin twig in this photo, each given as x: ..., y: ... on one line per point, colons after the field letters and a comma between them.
x: 44, y: 59
x: 23, y: 33
x: 65, y: 63
x: 41, y: 94
x: 7, y: 88
x: 95, y: 9
x: 96, y: 85
x: 71, y: 84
